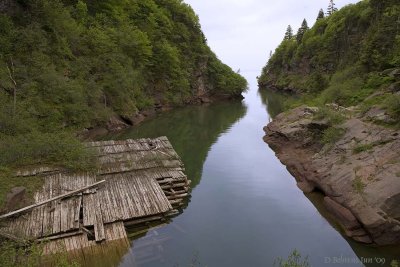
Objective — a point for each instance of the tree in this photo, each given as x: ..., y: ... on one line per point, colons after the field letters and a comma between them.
x: 331, y: 8
x: 321, y: 14
x: 302, y: 30
x: 289, y: 33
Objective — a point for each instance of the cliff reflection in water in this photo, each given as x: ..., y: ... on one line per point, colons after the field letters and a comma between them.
x: 191, y: 130
x: 273, y: 101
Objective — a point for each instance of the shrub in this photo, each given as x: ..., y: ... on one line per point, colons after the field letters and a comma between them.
x: 358, y: 185
x: 13, y: 254
x: 61, y: 149
x: 392, y: 104
x: 332, y: 135
x: 345, y: 92
x: 294, y: 260
x: 362, y: 148
x: 333, y: 117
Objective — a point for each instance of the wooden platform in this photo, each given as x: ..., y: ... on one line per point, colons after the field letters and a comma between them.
x: 144, y: 180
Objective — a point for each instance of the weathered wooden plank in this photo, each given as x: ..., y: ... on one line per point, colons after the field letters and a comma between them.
x: 136, y: 199
x: 139, y: 198
x: 57, y: 218
x: 55, y: 237
x: 99, y: 224
x: 64, y: 216
x: 49, y: 200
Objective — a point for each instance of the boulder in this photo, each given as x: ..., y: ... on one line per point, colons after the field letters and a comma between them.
x: 135, y: 119
x: 115, y: 123
x: 15, y: 198
x: 379, y: 115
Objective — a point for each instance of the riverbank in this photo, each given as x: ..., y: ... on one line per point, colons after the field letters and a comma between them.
x: 120, y: 122
x: 352, y: 161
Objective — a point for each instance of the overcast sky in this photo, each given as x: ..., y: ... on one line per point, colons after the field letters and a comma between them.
x: 242, y: 32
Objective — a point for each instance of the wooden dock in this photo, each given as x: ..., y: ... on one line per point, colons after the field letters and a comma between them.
x: 137, y: 181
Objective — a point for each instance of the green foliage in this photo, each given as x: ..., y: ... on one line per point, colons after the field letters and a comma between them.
x: 289, y: 33
x: 358, y: 185
x: 321, y: 14
x: 75, y: 63
x: 362, y: 148
x: 333, y: 117
x: 346, y: 88
x: 343, y: 58
x: 331, y: 8
x: 23, y: 255
x: 69, y: 65
x: 392, y: 104
x: 302, y: 30
x: 394, y: 263
x: 332, y: 135
x: 60, y: 149
x: 294, y: 260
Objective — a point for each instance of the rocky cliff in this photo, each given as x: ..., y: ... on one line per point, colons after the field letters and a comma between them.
x: 358, y: 171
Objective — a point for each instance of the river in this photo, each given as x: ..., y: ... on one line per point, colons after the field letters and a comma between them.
x: 245, y: 208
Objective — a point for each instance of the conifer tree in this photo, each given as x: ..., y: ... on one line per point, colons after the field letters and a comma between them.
x: 331, y: 8
x: 302, y: 30
x: 289, y: 33
x: 321, y: 14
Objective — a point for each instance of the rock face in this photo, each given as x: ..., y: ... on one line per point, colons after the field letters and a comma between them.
x: 359, y: 174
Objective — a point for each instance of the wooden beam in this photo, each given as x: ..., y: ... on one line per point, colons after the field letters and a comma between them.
x: 84, y: 229
x: 55, y: 237
x: 50, y: 200
x: 177, y: 196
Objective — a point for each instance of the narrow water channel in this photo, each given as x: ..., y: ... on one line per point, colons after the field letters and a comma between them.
x: 245, y: 208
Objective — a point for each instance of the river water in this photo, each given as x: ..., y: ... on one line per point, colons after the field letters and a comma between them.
x: 245, y: 208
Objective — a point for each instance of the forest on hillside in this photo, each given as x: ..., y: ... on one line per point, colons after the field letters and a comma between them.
x: 67, y: 65
x: 349, y: 56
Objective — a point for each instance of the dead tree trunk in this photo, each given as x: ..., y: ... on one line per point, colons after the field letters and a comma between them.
x: 11, y: 75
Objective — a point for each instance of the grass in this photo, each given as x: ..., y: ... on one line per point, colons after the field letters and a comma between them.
x: 57, y: 149
x: 333, y: 117
x: 358, y: 185
x: 332, y: 135
x: 361, y: 148
x: 392, y: 105
x: 17, y: 255
x: 8, y: 181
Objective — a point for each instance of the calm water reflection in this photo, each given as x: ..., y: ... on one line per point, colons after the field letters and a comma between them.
x: 245, y: 209
x: 273, y: 101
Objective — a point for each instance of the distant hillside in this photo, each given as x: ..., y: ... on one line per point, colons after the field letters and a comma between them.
x: 76, y: 63
x: 344, y: 58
